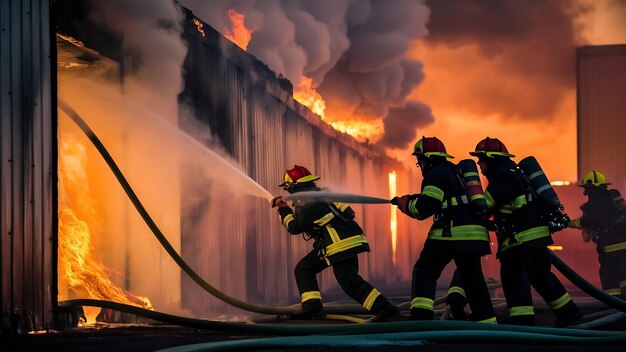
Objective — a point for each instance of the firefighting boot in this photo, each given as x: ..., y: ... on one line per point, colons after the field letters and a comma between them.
x: 567, y: 315
x: 387, y: 310
x: 527, y: 320
x: 457, y: 303
x: 311, y: 309
x: 421, y: 314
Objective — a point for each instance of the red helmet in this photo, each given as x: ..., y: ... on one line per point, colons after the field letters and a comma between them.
x: 491, y: 147
x: 297, y: 174
x: 429, y: 146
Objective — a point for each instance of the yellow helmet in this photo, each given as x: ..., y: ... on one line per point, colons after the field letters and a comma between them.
x: 595, y: 178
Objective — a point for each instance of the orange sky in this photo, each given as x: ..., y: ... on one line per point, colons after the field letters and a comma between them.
x: 512, y: 89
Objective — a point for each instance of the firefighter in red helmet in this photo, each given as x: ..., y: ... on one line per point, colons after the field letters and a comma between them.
x: 456, y: 234
x: 604, y: 222
x: 523, y: 237
x: 337, y: 241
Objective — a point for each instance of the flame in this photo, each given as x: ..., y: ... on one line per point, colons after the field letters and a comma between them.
x: 393, y: 221
x: 362, y: 131
x: 199, y: 26
x: 78, y: 225
x: 239, y: 34
x: 555, y: 247
x: 306, y: 95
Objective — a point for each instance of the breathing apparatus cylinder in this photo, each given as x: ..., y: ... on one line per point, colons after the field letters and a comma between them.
x: 540, y: 184
x: 471, y: 180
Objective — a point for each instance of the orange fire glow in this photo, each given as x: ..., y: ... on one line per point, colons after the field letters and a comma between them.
x: 362, y: 131
x: 199, y: 26
x: 240, y: 34
x: 393, y: 220
x: 85, y: 275
x: 306, y: 95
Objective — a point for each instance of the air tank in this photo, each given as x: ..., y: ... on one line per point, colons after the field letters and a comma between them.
x: 471, y: 179
x: 540, y: 183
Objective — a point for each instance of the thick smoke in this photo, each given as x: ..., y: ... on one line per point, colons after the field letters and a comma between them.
x: 396, y: 133
x: 354, y: 50
x: 151, y: 32
x: 526, y: 52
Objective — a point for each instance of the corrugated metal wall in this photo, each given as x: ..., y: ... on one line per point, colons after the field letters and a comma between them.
x: 259, y: 124
x: 602, y: 112
x: 27, y: 166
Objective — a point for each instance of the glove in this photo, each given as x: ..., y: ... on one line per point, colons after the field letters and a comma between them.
x: 279, y: 202
x: 403, y: 203
x: 559, y: 223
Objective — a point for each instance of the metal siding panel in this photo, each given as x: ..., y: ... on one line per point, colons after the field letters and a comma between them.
x: 25, y: 166
x: 602, y: 111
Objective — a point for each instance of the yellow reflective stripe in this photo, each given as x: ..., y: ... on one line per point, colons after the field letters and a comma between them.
x: 491, y: 320
x: 471, y: 173
x: 345, y: 244
x: 311, y: 295
x: 477, y: 196
x: 525, y: 236
x: 341, y: 206
x: 613, y: 291
x: 457, y: 289
x: 433, y: 192
x: 615, y: 247
x: 369, y: 301
x: 521, y: 310
x: 576, y: 223
x: 324, y: 219
x: 412, y: 209
x: 423, y: 303
x: 490, y: 201
x: 560, y: 302
x: 287, y: 219
x: 334, y: 236
x: 462, y: 232
x: 514, y: 204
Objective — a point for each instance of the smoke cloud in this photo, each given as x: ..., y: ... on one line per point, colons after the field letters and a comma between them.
x: 520, y: 56
x: 354, y: 50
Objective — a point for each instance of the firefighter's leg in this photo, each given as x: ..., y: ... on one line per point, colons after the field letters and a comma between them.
x: 426, y: 271
x: 472, y: 279
x: 347, y: 274
x: 516, y: 286
x: 305, y: 272
x: 456, y: 298
x: 611, y: 274
x: 551, y: 289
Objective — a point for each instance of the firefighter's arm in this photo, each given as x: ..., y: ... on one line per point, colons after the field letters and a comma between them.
x: 575, y: 224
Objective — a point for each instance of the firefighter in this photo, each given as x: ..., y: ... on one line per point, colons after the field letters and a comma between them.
x: 604, y: 222
x: 456, y: 234
x: 523, y: 237
x: 337, y: 241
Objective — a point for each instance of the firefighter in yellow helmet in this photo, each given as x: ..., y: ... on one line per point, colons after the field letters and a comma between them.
x: 523, y: 237
x: 604, y: 222
x: 337, y: 241
x: 456, y: 234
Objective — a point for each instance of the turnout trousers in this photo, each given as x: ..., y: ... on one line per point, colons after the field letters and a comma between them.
x: 613, y: 273
x: 521, y: 267
x: 347, y: 275
x: 427, y: 270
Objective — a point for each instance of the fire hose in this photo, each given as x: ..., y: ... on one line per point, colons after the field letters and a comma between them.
x: 394, y: 327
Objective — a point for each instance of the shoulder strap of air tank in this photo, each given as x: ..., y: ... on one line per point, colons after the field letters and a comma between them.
x: 531, y: 195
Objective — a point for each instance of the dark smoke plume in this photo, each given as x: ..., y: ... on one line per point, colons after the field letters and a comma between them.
x: 354, y: 50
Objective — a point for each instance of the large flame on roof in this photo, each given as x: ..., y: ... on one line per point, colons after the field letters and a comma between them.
x: 305, y: 93
x: 239, y: 34
x: 85, y: 274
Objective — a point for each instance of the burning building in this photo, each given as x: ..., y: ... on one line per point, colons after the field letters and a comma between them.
x: 234, y: 128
